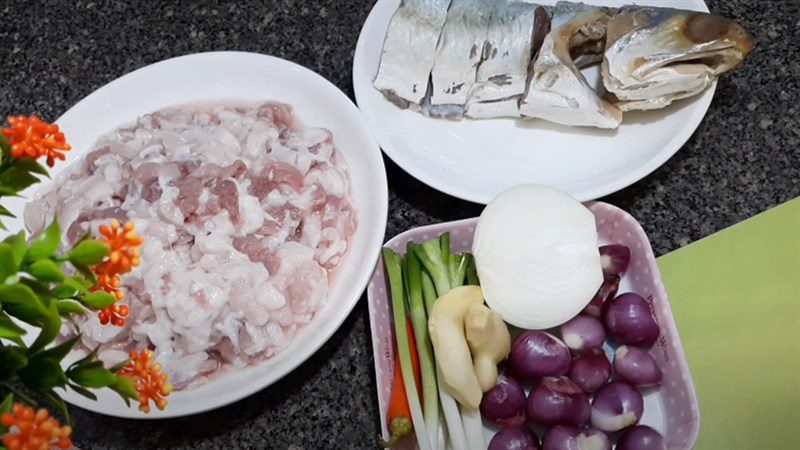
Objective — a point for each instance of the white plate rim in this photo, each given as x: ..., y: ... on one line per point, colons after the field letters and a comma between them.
x: 407, y: 164
x: 291, y: 357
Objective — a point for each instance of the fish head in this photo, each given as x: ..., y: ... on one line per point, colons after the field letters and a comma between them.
x: 664, y: 54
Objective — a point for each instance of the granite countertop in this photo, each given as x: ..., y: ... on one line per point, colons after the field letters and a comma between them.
x: 743, y: 159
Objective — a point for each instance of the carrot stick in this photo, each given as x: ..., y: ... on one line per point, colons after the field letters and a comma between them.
x: 399, y: 413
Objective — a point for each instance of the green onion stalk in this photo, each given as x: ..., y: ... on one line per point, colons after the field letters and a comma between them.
x: 419, y: 322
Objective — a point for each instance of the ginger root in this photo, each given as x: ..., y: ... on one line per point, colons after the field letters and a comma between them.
x: 489, y: 340
x: 446, y: 326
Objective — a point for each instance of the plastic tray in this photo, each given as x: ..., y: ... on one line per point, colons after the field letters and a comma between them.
x: 670, y: 408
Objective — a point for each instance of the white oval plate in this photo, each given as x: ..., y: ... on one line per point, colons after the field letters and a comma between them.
x: 248, y: 77
x: 476, y: 159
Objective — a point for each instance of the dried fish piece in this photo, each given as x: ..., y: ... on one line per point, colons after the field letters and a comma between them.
x: 409, y: 50
x: 655, y: 56
x: 557, y: 90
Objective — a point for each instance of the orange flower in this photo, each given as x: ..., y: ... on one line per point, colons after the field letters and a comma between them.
x: 147, y: 379
x: 113, y: 314
x: 29, y: 136
x: 122, y: 257
x: 124, y: 245
x: 34, y: 430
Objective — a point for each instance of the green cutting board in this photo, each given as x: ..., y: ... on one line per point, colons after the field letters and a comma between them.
x: 735, y: 296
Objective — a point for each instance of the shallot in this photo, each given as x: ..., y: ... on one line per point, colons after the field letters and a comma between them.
x: 590, y: 370
x: 536, y: 354
x: 583, y: 332
x: 505, y: 402
x: 637, y: 366
x: 616, y: 405
x: 558, y: 401
x: 629, y: 320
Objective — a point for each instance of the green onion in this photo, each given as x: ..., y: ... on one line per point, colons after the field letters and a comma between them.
x: 394, y: 263
x: 419, y: 321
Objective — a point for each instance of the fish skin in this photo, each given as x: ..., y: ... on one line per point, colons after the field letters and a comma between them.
x: 502, y: 77
x: 557, y: 91
x: 507, y: 51
x: 655, y: 56
x: 459, y: 51
x: 409, y: 50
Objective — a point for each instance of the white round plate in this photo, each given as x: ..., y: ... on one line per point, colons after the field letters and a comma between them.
x: 207, y: 77
x: 476, y: 159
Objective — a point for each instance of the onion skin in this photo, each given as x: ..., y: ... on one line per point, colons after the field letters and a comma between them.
x: 562, y: 437
x: 590, y: 370
x: 616, y: 405
x: 537, y: 354
x: 637, y: 366
x: 614, y: 259
x: 558, y: 401
x: 641, y: 437
x: 583, y: 332
x: 517, y: 437
x: 606, y: 292
x: 505, y: 403
x: 630, y: 321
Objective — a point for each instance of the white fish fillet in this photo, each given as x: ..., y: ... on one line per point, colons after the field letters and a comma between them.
x: 507, y: 52
x: 558, y: 92
x: 508, y: 107
x: 459, y: 51
x: 409, y: 50
x: 655, y: 56
x: 515, y: 34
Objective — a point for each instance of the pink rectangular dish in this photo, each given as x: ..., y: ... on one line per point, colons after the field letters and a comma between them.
x: 671, y: 408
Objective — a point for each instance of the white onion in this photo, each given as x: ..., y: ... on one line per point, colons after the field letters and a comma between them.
x: 536, y: 252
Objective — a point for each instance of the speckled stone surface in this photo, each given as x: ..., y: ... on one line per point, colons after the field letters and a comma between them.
x: 743, y: 159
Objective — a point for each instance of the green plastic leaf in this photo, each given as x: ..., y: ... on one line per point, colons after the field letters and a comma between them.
x: 25, y: 312
x: 18, y: 246
x: 97, y: 299
x: 42, y: 374
x: 87, y: 273
x: 83, y: 391
x: 58, y: 352
x: 86, y: 360
x: 92, y: 377
x: 8, y: 329
x: 66, y: 307
x: 45, y: 246
x: 21, y: 294
x: 58, y: 404
x: 70, y: 286
x: 11, y: 360
x: 63, y: 291
x: 8, y: 402
x: 46, y: 270
x: 50, y: 329
x: 79, y: 283
x: 7, y: 264
x: 6, y: 191
x: 30, y: 165
x: 38, y: 288
x: 5, y: 147
x: 124, y: 387
x: 17, y: 178
x: 117, y: 367
x: 88, y: 252
x: 5, y: 407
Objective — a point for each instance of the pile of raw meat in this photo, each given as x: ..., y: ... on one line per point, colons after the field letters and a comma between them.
x: 244, y: 214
